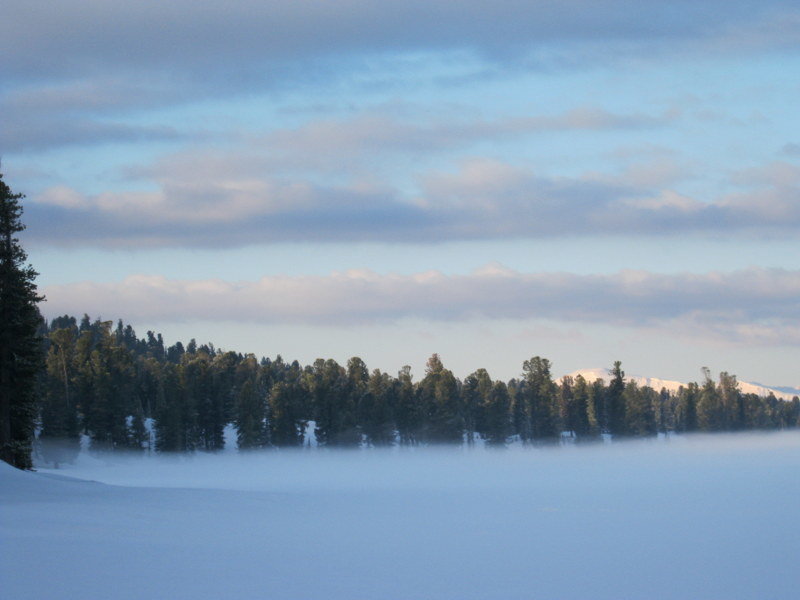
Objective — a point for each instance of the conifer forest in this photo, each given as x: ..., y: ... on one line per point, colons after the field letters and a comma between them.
x: 103, y: 381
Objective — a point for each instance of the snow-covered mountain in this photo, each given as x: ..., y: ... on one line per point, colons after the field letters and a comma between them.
x: 672, y: 386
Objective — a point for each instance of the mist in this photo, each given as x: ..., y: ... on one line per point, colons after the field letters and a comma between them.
x: 686, y: 517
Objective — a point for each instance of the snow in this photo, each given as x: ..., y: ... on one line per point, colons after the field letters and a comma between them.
x: 673, y: 386
x: 691, y: 517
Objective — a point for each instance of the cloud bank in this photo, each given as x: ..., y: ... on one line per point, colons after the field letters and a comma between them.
x: 79, y: 37
x: 218, y: 200
x: 753, y: 306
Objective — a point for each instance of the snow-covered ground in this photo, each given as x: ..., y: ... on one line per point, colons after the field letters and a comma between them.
x: 699, y: 517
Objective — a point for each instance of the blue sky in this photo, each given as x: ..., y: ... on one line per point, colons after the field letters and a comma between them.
x: 586, y: 181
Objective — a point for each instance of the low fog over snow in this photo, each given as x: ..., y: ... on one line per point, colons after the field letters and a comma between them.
x: 688, y: 517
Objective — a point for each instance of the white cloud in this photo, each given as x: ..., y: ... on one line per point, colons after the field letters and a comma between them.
x: 753, y: 305
x: 220, y: 201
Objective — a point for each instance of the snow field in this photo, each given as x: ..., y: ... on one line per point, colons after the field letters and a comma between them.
x: 704, y: 517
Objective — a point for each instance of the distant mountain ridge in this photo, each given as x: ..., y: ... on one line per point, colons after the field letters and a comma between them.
x: 782, y: 393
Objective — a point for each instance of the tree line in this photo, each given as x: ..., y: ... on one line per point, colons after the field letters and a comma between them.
x: 66, y: 381
x: 102, y: 381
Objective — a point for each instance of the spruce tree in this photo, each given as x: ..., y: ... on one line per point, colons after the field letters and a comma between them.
x: 497, y: 415
x: 541, y: 393
x: 615, y: 402
x: 59, y: 438
x: 20, y: 346
x: 408, y: 413
x: 440, y: 399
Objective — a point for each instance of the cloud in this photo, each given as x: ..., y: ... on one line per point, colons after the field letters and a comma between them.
x: 234, y: 200
x: 78, y: 72
x: 250, y: 38
x: 81, y: 112
x: 753, y: 305
x: 336, y: 144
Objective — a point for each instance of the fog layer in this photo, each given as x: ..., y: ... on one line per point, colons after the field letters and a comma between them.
x: 705, y: 517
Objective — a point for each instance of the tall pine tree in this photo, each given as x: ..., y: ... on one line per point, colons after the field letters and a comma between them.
x: 20, y: 347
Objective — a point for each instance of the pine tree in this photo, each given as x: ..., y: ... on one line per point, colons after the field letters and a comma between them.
x: 709, y: 406
x: 475, y: 394
x: 20, y: 346
x: 251, y: 427
x: 541, y: 397
x: 59, y: 438
x: 285, y: 425
x: 639, y: 412
x: 497, y: 415
x: 686, y: 408
x: 615, y: 402
x: 583, y: 410
x: 440, y: 397
x: 334, y: 409
x: 376, y: 413
x: 520, y: 420
x: 408, y: 413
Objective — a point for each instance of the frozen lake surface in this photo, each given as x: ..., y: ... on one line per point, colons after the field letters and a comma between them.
x: 704, y: 517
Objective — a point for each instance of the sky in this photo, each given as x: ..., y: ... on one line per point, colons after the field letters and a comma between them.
x: 579, y: 180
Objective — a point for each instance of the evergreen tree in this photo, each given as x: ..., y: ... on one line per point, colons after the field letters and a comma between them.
x: 476, y: 393
x: 583, y: 412
x: 686, y: 408
x: 615, y: 402
x: 20, y: 347
x: 709, y: 406
x: 334, y: 409
x: 285, y: 423
x: 251, y: 425
x: 439, y: 395
x: 113, y: 417
x: 408, y: 413
x: 731, y: 402
x: 497, y: 415
x: 639, y: 414
x: 59, y: 438
x: 541, y: 397
x: 175, y: 417
x: 197, y: 381
x: 520, y: 420
x: 376, y: 410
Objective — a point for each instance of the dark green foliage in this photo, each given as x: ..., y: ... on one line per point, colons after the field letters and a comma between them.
x: 685, y: 411
x: 439, y: 397
x: 197, y: 380
x: 520, y: 420
x: 334, y: 401
x: 640, y: 417
x: 20, y: 346
x: 710, y: 415
x: 59, y: 437
x: 540, y: 391
x: 175, y: 418
x: 475, y: 395
x: 376, y: 413
x: 615, y: 402
x: 497, y: 415
x: 286, y: 423
x: 109, y: 384
x: 582, y: 413
x: 408, y: 412
x: 112, y: 416
x: 251, y: 418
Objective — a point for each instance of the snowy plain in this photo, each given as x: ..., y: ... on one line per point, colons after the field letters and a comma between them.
x: 686, y: 518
